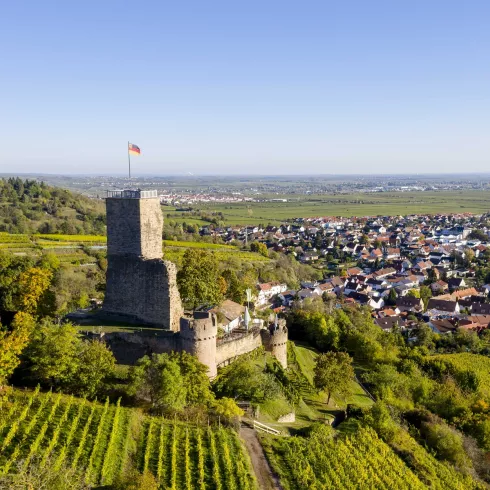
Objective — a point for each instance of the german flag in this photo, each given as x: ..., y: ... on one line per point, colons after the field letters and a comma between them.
x: 133, y: 149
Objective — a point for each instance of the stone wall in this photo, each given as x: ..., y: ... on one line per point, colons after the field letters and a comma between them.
x: 288, y: 418
x: 129, y: 347
x: 227, y: 351
x: 276, y: 342
x: 134, y: 227
x: 142, y: 291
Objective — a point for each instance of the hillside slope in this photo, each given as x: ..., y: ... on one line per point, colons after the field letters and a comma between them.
x: 102, y: 442
x: 29, y: 206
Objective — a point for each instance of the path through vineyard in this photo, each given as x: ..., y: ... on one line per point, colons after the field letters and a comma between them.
x: 263, y: 472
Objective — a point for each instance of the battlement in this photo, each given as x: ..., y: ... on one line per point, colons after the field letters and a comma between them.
x: 275, y: 339
x: 131, y: 194
x: 198, y: 334
x: 201, y: 325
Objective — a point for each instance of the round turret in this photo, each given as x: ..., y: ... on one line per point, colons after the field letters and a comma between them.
x: 276, y: 342
x: 198, y: 336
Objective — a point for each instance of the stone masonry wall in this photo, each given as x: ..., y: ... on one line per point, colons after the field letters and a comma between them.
x: 134, y: 227
x: 227, y: 351
x: 151, y: 228
x: 143, y: 291
x: 129, y: 347
x: 198, y: 337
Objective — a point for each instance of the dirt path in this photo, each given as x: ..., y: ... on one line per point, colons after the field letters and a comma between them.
x: 263, y: 472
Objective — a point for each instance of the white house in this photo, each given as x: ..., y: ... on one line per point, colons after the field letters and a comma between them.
x: 267, y: 291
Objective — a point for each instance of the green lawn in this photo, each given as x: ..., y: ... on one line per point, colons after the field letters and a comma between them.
x: 306, y: 356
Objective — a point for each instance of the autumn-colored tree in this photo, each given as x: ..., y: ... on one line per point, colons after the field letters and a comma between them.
x: 32, y: 284
x: 260, y: 248
x: 227, y: 409
x: 413, y: 293
x: 13, y: 342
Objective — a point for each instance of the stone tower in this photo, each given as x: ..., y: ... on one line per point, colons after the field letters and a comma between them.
x: 275, y: 340
x: 141, y: 288
x: 198, y: 337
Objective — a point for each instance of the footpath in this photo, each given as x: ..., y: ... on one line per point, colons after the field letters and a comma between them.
x: 266, y: 478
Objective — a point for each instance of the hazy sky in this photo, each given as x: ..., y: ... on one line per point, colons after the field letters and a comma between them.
x: 245, y: 86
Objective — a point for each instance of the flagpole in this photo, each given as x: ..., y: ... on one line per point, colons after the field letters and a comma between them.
x: 129, y: 162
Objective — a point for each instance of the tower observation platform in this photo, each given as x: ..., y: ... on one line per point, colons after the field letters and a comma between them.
x: 131, y: 194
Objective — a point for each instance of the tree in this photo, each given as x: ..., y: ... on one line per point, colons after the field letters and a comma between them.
x: 13, y: 342
x: 333, y: 373
x: 170, y: 382
x: 425, y: 295
x: 414, y: 293
x: 53, y: 353
x: 260, y: 248
x: 364, y: 239
x: 392, y: 297
x: 198, y: 279
x: 469, y: 256
x: 96, y: 364
x: 235, y: 288
x: 32, y: 284
x: 227, y: 409
x: 477, y: 234
x: 195, y: 378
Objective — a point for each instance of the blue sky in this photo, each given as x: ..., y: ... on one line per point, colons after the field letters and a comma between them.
x: 272, y: 87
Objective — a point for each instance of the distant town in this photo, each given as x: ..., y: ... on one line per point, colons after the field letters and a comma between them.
x: 404, y: 269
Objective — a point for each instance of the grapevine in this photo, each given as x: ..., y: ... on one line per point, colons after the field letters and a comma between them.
x: 90, y: 466
x: 109, y: 459
x: 71, y: 432
x: 81, y: 443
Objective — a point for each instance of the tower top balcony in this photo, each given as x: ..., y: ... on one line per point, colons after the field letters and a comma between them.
x: 131, y: 194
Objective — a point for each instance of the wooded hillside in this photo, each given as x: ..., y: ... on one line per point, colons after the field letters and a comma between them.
x: 29, y: 206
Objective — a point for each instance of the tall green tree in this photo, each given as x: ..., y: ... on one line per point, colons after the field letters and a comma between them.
x: 53, y: 353
x: 59, y: 358
x: 333, y: 373
x: 425, y: 295
x: 198, y: 279
x: 170, y: 382
x: 95, y: 364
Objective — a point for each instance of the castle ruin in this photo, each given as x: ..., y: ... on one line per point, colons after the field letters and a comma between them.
x: 141, y: 289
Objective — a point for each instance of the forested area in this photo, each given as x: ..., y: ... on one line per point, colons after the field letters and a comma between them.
x: 29, y: 206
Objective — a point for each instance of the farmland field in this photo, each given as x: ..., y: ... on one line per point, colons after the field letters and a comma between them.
x: 102, y: 440
x: 70, y: 248
x: 361, y: 460
x: 365, y: 204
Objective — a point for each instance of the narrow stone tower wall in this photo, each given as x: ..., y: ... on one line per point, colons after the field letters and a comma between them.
x: 198, y: 337
x: 140, y: 287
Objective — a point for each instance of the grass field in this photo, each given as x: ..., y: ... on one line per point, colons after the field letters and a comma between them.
x: 306, y: 357
x: 100, y: 441
x: 313, y: 407
x: 372, y: 204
